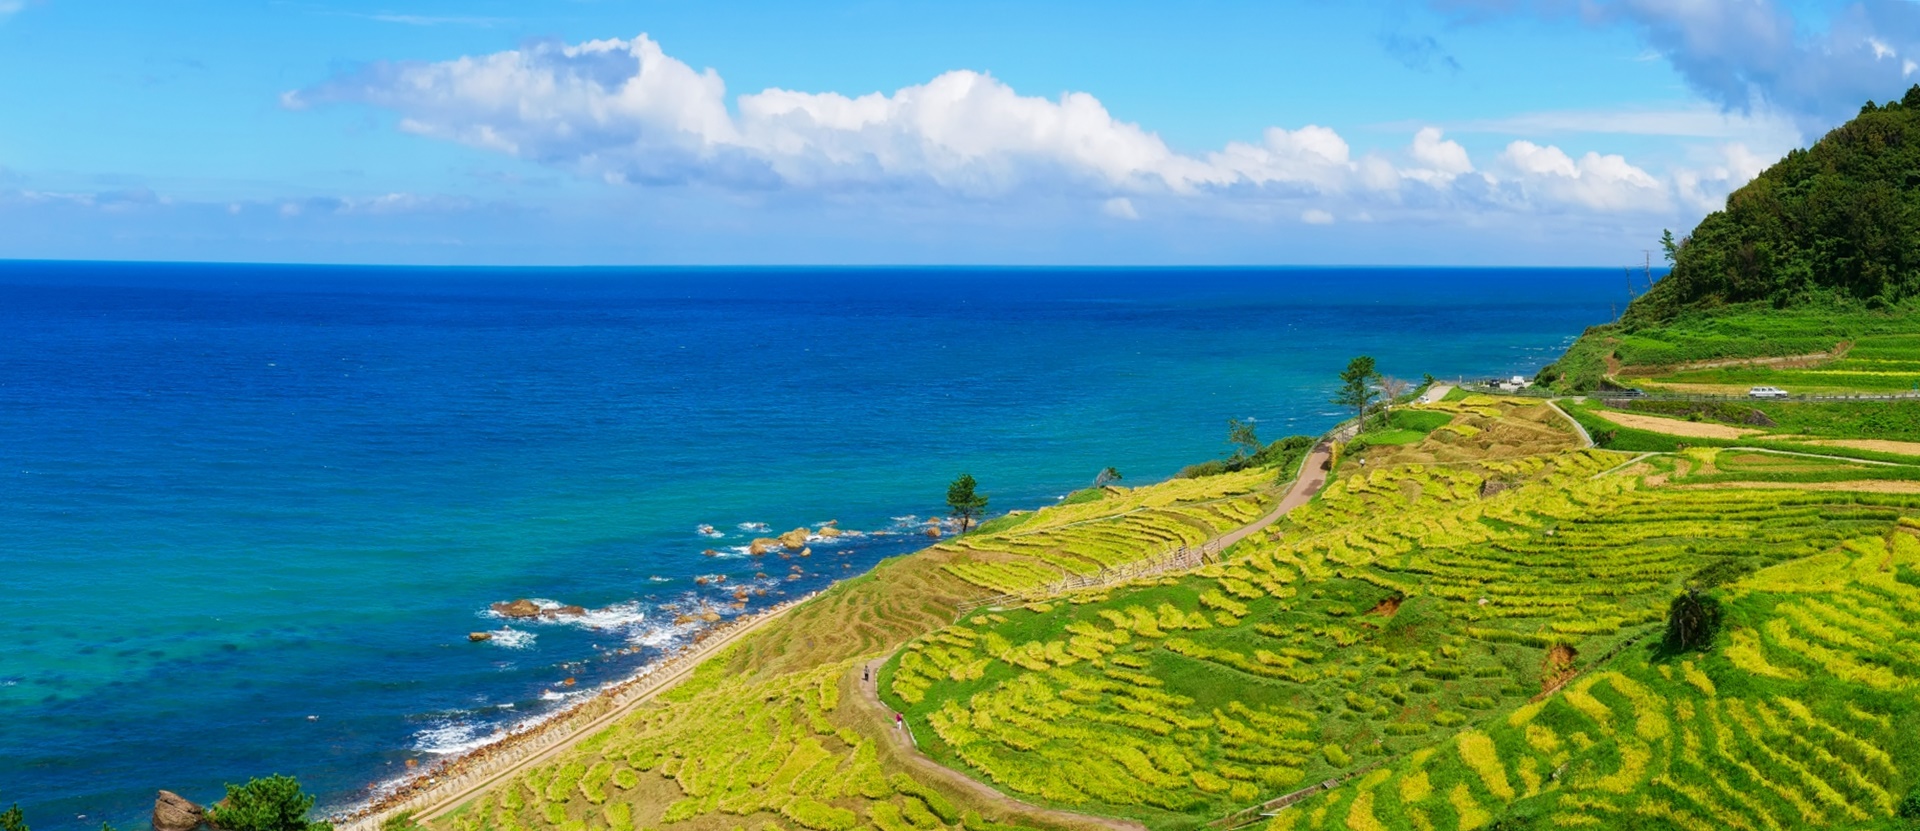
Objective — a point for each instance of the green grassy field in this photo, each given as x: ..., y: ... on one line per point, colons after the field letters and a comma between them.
x: 1879, y: 350
x: 1461, y: 630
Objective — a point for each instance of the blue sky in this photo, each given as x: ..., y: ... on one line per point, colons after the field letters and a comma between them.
x: 617, y: 131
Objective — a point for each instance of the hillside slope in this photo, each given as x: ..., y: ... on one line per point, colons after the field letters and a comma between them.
x: 1817, y: 250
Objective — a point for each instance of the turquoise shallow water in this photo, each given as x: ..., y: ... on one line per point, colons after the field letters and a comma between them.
x: 248, y: 514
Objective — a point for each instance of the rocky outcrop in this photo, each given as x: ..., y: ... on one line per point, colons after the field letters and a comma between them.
x: 517, y: 609
x: 475, y: 637
x: 795, y: 539
x: 173, y: 812
x: 830, y: 532
x: 524, y: 609
x: 762, y: 545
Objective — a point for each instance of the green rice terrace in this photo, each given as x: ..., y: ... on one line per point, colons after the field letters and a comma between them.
x: 1600, y: 611
x: 1462, y: 630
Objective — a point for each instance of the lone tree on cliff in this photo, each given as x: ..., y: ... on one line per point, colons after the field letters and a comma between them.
x: 1241, y: 435
x: 966, y: 504
x: 1356, y: 387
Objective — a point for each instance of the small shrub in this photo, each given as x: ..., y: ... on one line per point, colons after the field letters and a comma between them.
x: 1909, y: 809
x: 1692, y: 618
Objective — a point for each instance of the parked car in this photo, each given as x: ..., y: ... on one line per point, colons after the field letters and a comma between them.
x: 1766, y: 392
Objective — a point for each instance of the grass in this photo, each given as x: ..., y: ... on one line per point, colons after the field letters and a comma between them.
x: 1470, y: 611
x: 1750, y: 331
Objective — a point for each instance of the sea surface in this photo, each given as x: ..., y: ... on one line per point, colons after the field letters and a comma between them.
x: 249, y: 514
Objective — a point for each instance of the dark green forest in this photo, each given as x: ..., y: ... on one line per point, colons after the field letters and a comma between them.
x: 1837, y: 221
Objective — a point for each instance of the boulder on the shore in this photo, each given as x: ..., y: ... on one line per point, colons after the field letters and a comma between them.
x: 795, y: 539
x: 762, y: 545
x: 933, y: 531
x: 517, y: 609
x: 173, y: 812
x: 477, y: 637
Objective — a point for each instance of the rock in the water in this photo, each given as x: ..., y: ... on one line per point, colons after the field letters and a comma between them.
x: 521, y: 608
x: 173, y: 812
x: 762, y: 545
x: 795, y: 539
x: 569, y: 611
x: 477, y: 637
x: 933, y: 531
x: 830, y: 532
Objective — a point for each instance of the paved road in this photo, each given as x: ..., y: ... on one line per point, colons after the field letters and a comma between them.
x: 1313, y: 477
x: 1435, y: 393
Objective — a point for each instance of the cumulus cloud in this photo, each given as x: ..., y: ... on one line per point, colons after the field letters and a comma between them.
x: 1315, y: 216
x: 1754, y: 55
x: 625, y: 111
x: 1601, y: 183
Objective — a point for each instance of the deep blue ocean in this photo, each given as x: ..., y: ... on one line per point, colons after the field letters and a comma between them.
x: 249, y: 514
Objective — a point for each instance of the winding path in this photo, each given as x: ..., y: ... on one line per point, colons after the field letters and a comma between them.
x: 1310, y: 480
x: 906, y: 752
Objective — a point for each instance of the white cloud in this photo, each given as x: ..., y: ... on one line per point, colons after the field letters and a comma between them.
x: 1756, y: 55
x: 1315, y: 216
x: 9, y: 8
x: 1691, y: 121
x: 1439, y: 160
x: 1119, y: 207
x: 624, y: 111
x: 1602, y: 183
x: 1727, y: 167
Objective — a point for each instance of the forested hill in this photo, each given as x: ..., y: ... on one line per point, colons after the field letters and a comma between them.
x: 1840, y: 219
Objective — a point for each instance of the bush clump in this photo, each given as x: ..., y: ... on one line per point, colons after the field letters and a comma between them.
x: 271, y: 804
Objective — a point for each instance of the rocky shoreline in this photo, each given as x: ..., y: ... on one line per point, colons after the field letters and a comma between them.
x: 395, y: 795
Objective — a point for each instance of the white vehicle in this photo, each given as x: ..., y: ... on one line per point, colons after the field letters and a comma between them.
x: 1766, y: 392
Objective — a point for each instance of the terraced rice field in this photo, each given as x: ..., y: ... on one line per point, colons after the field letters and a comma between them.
x: 1087, y: 537
x: 1874, y: 363
x: 759, y: 740
x: 1792, y: 723
x: 1406, y: 620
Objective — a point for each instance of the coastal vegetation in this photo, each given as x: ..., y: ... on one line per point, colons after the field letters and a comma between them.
x: 1700, y: 619
x: 965, y: 503
x: 1812, y: 257
x: 274, y: 803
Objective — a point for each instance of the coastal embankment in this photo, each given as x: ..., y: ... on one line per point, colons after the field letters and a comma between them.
x: 448, y: 785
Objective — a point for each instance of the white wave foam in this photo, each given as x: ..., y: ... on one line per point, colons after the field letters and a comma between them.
x: 507, y: 637
x: 617, y: 617
x: 658, y: 579
x: 755, y: 526
x: 454, y: 736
